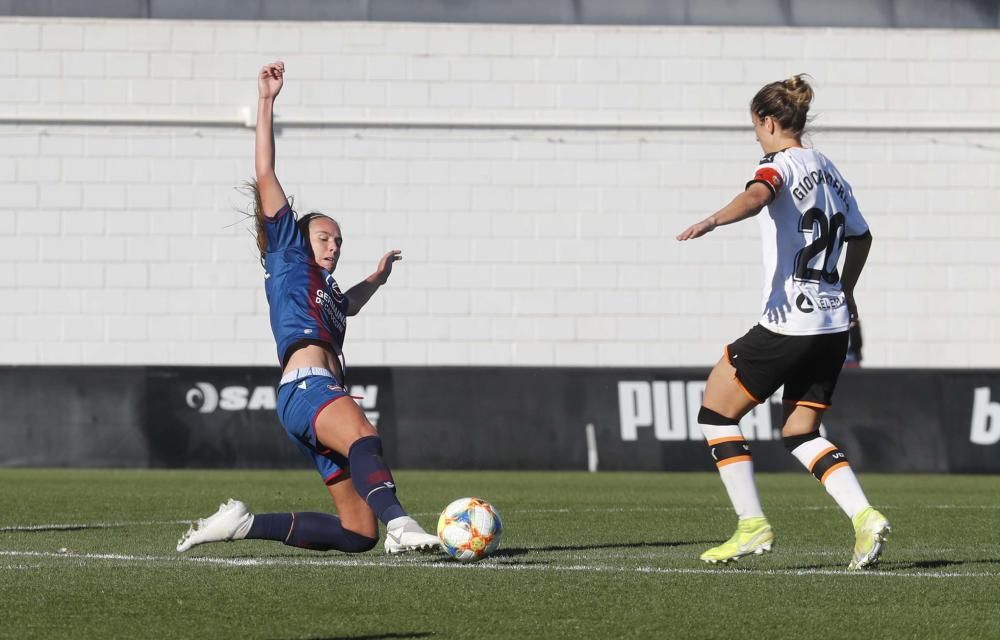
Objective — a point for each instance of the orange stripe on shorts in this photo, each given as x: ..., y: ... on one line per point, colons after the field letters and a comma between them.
x: 729, y: 359
x: 813, y: 405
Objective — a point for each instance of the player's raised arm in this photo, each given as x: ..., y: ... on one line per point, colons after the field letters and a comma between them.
x: 745, y: 205
x: 360, y: 293
x: 269, y: 82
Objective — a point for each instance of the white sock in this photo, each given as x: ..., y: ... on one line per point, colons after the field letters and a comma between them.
x: 244, y: 528
x: 736, y: 472
x: 838, y: 478
x: 399, y: 523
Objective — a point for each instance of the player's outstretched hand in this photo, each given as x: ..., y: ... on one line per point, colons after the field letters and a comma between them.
x: 697, y: 230
x: 385, y: 265
x: 270, y: 79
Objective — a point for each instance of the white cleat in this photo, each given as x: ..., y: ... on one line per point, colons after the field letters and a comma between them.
x: 231, y: 522
x: 404, y: 534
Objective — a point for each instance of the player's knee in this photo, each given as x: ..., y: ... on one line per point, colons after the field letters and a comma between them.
x: 358, y: 431
x: 343, y: 426
x: 707, y: 416
x: 358, y: 520
x: 357, y: 543
x: 365, y: 442
x: 793, y: 442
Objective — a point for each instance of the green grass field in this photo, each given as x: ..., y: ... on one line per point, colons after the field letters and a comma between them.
x: 90, y: 554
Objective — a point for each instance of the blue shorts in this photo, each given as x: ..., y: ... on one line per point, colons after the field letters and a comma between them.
x: 299, y: 402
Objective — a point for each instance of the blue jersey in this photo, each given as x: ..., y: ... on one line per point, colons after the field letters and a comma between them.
x: 306, y: 303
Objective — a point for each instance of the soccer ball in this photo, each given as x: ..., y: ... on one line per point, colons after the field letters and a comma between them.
x: 469, y: 529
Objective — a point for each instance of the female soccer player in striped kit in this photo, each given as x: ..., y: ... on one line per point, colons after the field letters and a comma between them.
x: 308, y: 318
x: 801, y: 339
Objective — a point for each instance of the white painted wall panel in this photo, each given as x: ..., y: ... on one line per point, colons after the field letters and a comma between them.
x: 549, y: 242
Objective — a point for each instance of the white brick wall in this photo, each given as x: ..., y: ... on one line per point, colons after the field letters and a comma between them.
x: 526, y: 245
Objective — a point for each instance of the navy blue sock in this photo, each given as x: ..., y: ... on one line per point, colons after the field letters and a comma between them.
x: 322, y: 532
x: 270, y: 526
x: 307, y: 530
x: 372, y: 479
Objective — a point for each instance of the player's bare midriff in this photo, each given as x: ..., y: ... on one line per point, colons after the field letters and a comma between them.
x: 313, y: 355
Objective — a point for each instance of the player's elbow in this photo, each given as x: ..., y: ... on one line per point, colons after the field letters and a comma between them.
x: 264, y: 173
x: 356, y: 543
x: 860, y: 245
x: 756, y: 197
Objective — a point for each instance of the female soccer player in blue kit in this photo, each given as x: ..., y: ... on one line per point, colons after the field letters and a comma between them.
x: 308, y: 318
x: 801, y: 338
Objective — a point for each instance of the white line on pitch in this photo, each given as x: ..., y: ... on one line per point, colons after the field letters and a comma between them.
x: 422, y: 563
x: 88, y: 525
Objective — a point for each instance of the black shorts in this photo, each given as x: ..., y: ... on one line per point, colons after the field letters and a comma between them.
x: 808, y: 366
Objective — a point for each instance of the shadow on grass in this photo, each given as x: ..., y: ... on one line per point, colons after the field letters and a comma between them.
x: 57, y: 527
x: 502, y: 553
x: 511, y: 552
x: 898, y: 565
x: 937, y: 564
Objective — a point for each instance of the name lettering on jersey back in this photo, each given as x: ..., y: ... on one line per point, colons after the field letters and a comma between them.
x: 815, y: 178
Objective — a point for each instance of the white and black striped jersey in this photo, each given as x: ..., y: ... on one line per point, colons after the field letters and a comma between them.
x: 811, y: 212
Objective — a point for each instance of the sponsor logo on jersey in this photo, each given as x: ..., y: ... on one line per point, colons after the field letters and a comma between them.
x: 334, y: 314
x: 670, y: 410
x: 830, y: 302
x: 334, y: 287
x: 804, y: 304
x: 205, y: 397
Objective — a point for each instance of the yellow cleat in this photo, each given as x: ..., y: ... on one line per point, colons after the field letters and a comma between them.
x: 871, y: 530
x: 753, y: 537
